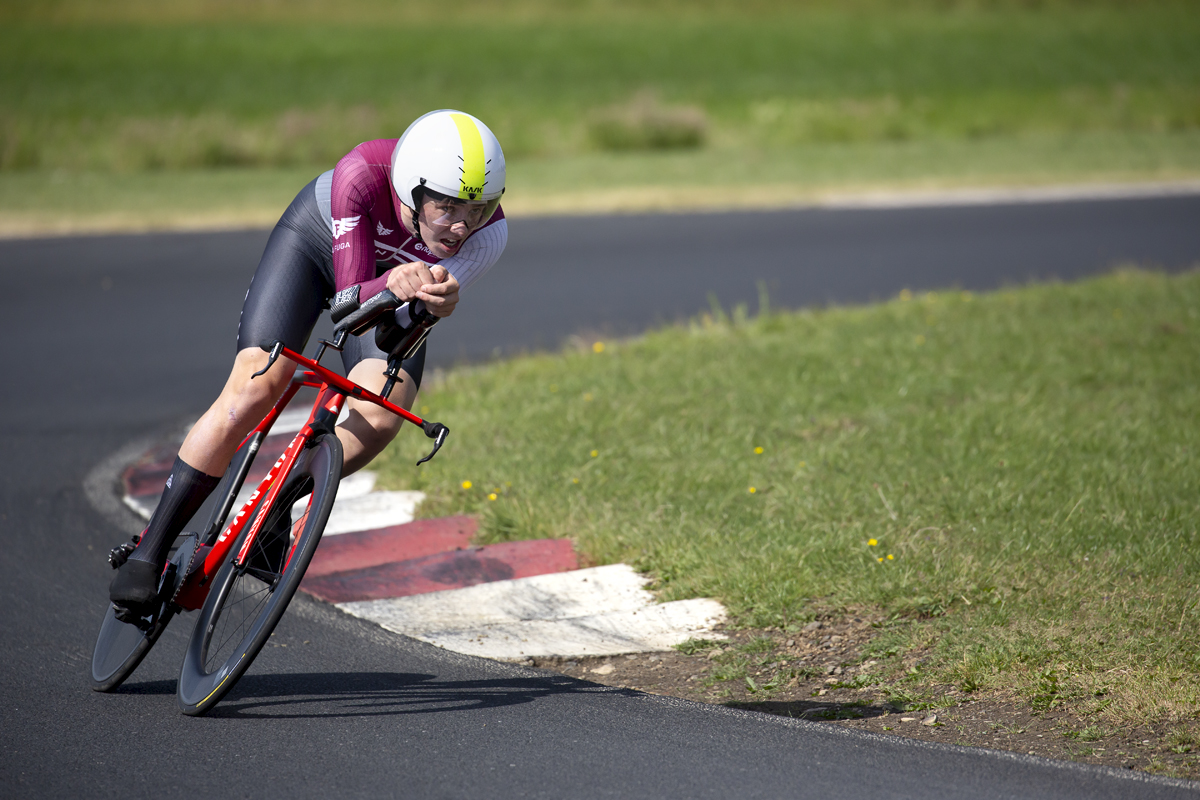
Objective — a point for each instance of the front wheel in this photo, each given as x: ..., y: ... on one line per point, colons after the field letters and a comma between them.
x: 245, y: 603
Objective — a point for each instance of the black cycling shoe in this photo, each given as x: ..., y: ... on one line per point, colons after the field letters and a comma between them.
x: 134, y: 590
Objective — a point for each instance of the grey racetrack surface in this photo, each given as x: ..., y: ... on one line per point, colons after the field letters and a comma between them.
x: 110, y: 340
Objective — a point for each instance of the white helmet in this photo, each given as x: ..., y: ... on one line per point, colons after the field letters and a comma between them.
x: 451, y: 153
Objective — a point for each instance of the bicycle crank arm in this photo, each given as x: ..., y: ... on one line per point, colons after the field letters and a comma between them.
x: 436, y: 431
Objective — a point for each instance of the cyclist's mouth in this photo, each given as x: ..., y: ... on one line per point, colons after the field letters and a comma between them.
x: 451, y: 245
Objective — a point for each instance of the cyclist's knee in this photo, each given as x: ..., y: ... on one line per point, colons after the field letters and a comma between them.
x: 253, y: 396
x: 381, y: 425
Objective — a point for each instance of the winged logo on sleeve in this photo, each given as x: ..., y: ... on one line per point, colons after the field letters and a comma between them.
x: 344, y: 225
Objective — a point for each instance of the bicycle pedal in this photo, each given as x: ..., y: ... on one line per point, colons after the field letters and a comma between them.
x: 130, y: 617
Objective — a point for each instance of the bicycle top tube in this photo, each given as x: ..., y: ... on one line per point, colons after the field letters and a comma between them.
x: 345, y: 385
x: 434, y: 430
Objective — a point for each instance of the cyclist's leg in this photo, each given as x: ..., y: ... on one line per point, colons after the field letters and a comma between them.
x: 135, y: 585
x: 286, y: 296
x: 242, y: 404
x: 368, y: 429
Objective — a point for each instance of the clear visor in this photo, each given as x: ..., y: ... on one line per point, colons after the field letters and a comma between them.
x: 445, y: 213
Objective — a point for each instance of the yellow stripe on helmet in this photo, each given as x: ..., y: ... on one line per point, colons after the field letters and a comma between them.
x: 474, y: 167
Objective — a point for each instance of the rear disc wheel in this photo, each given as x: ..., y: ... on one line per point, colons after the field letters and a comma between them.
x: 121, y: 646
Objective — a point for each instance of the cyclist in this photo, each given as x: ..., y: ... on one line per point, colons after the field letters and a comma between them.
x: 419, y: 215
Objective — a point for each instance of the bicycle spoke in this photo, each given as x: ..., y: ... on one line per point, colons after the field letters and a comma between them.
x: 228, y: 630
x: 239, y: 605
x: 243, y: 604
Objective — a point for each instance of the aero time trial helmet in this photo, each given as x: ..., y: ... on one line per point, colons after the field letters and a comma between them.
x: 452, y: 154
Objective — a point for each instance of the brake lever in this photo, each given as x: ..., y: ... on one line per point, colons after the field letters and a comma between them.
x: 436, y: 431
x: 275, y: 350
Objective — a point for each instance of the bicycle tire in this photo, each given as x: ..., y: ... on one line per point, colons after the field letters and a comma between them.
x: 242, y: 609
x: 121, y: 646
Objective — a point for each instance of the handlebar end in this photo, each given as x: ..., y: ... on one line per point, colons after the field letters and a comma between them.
x: 436, y: 431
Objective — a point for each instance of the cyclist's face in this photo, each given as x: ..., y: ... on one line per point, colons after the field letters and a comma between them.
x: 448, y: 222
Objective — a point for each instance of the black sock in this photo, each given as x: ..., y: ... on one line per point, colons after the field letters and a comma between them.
x: 186, y: 491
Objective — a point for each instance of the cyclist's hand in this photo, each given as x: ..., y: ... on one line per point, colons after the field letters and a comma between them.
x: 407, y: 279
x: 440, y: 294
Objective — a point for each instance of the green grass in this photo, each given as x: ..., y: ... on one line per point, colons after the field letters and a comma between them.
x: 62, y: 201
x: 140, y: 87
x: 1026, y: 458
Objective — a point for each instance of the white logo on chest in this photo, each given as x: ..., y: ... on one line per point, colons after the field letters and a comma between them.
x: 382, y: 231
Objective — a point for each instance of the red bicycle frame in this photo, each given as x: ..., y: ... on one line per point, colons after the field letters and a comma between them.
x: 333, y: 390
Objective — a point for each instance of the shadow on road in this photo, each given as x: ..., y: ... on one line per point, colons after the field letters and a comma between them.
x: 367, y: 694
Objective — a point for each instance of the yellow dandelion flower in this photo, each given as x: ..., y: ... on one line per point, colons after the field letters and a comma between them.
x: 466, y: 484
x: 753, y: 490
x: 595, y: 453
x: 872, y: 542
x: 574, y: 480
x: 587, y: 398
x: 802, y: 464
x: 492, y: 496
x: 905, y: 295
x: 880, y: 559
x: 891, y: 557
x: 598, y: 347
x: 758, y: 451
x: 424, y: 409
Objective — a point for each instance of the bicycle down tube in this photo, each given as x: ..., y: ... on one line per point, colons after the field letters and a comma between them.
x: 192, y: 594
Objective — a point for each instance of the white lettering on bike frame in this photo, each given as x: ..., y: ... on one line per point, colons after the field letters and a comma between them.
x: 239, y: 519
x: 334, y: 406
x: 289, y: 455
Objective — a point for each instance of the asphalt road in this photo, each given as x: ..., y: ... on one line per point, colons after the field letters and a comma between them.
x: 114, y: 339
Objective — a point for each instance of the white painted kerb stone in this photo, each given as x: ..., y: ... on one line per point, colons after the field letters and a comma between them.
x: 587, y: 612
x: 357, y: 508
x: 370, y: 511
